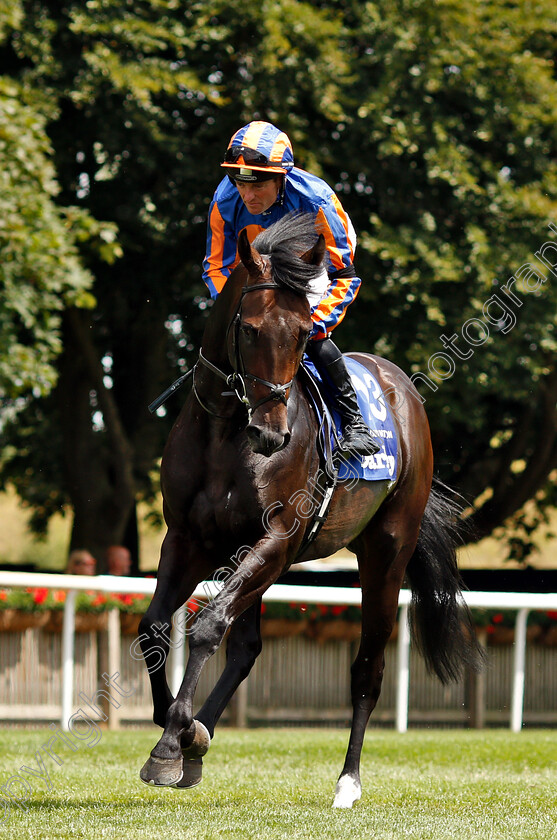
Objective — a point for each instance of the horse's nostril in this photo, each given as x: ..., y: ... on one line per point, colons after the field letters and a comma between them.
x: 266, y: 442
x: 253, y: 433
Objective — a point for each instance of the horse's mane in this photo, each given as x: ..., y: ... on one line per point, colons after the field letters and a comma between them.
x: 284, y: 242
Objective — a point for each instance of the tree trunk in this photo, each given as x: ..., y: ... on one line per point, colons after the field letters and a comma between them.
x: 534, y: 441
x: 98, y: 459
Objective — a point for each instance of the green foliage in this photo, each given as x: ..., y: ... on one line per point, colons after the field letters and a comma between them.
x: 38, y: 599
x: 314, y: 613
x: 40, y: 270
x: 436, y: 124
x: 456, y: 106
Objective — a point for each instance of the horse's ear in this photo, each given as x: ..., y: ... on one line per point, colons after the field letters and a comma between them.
x: 316, y: 254
x: 248, y: 255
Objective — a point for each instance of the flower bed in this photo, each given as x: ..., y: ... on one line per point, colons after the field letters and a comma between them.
x: 499, y: 626
x: 21, y: 609
x: 40, y: 599
x: 314, y: 621
x: 41, y: 607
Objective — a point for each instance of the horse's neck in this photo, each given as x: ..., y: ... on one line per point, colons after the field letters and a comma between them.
x: 214, y: 343
x: 214, y: 348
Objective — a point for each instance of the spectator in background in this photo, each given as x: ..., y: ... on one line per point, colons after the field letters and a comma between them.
x: 81, y: 562
x: 118, y: 560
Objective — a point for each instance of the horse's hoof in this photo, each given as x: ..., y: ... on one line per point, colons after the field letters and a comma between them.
x: 200, y: 744
x: 347, y: 791
x: 193, y: 771
x: 162, y: 771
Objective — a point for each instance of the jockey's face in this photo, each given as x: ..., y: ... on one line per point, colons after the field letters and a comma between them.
x: 259, y: 196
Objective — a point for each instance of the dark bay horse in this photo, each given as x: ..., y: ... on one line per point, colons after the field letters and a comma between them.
x: 242, y: 449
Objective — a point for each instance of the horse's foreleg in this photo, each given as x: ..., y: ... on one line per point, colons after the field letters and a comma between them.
x: 154, y: 632
x: 174, y: 586
x: 243, y: 648
x: 257, y: 571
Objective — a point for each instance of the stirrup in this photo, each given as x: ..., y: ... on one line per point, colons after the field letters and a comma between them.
x: 357, y: 440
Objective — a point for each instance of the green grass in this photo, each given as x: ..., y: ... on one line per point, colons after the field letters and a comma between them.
x: 271, y: 784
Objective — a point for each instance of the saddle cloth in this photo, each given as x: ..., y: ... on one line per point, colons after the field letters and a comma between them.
x: 376, y: 413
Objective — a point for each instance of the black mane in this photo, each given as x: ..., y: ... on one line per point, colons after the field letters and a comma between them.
x: 284, y: 242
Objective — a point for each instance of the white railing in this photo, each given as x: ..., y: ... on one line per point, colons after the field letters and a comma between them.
x: 522, y: 602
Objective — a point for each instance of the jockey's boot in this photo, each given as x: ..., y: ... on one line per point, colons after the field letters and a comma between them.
x: 357, y: 438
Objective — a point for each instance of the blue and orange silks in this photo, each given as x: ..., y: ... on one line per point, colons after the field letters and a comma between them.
x: 305, y: 193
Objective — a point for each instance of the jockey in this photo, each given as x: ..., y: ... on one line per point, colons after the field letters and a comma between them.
x: 261, y: 186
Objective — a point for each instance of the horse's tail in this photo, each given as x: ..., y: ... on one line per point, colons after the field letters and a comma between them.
x: 440, y: 621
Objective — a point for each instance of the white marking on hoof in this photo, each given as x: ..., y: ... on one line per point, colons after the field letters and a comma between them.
x: 347, y: 791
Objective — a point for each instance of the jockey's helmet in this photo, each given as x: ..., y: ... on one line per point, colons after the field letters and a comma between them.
x: 257, y: 152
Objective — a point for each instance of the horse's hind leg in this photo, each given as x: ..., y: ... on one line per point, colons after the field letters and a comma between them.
x: 382, y: 559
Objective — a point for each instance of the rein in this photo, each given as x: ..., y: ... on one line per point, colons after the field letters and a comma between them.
x: 237, y: 379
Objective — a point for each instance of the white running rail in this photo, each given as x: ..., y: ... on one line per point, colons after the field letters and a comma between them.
x: 522, y: 602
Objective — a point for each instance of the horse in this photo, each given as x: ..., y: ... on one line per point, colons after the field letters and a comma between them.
x: 233, y: 462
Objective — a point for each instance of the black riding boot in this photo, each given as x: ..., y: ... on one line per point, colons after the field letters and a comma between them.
x: 357, y: 439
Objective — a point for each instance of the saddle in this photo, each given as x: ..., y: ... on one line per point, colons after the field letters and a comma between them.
x: 335, y: 466
x: 375, y: 412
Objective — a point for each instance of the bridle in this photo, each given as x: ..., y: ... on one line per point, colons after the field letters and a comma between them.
x: 236, y: 380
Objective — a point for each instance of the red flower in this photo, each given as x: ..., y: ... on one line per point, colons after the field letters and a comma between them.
x: 59, y: 596
x: 40, y: 595
x: 323, y: 609
x: 498, y: 618
x: 263, y: 609
x: 552, y: 614
x: 192, y: 606
x: 99, y: 600
x: 303, y: 607
x: 338, y: 609
x: 3, y: 595
x: 490, y: 629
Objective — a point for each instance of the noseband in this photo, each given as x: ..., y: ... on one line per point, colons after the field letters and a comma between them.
x: 237, y: 380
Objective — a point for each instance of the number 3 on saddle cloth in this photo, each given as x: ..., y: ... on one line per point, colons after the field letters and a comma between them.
x: 376, y: 413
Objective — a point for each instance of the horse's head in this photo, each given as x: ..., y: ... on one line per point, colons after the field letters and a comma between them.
x: 271, y: 329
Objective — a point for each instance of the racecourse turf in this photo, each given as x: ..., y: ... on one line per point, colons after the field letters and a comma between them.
x: 278, y: 783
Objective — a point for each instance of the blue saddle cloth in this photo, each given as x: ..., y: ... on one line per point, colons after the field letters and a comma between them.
x: 376, y: 413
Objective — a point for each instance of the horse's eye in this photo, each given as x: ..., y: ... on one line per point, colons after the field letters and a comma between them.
x: 303, y: 338
x: 248, y: 331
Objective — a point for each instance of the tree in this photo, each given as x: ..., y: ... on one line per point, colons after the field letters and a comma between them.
x: 456, y: 107
x: 138, y: 94
x: 40, y: 272
x: 435, y: 122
